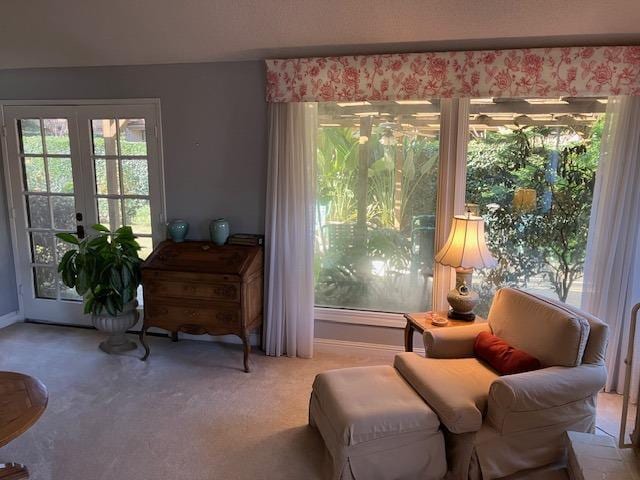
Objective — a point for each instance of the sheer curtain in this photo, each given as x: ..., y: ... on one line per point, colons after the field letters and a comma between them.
x: 612, y: 266
x: 290, y: 229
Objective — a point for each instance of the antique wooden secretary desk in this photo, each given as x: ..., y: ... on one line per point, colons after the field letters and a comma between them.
x: 200, y: 288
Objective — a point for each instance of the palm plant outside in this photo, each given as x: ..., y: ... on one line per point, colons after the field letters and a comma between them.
x: 399, y: 186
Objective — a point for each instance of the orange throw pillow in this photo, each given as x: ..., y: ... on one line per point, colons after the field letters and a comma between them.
x: 505, y: 359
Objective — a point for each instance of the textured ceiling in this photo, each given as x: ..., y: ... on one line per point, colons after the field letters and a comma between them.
x: 46, y: 33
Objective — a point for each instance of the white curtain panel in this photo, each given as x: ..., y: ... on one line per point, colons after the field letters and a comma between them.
x: 612, y: 267
x: 290, y: 229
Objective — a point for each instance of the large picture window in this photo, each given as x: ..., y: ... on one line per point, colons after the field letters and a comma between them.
x: 531, y: 167
x: 377, y: 172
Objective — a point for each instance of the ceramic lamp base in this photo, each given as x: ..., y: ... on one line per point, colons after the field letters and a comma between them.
x: 467, y: 317
x: 462, y: 299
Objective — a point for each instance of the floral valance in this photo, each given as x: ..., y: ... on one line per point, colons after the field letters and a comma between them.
x: 537, y: 72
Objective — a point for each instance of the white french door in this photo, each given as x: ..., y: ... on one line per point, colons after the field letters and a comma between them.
x: 69, y: 167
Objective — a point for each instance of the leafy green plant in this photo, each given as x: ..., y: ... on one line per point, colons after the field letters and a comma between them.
x: 104, y: 269
x: 337, y: 167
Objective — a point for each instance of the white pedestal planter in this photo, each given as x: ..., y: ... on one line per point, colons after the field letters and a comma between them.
x: 116, y: 327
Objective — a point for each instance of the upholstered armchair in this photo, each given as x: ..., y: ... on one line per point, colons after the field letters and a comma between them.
x: 498, y: 425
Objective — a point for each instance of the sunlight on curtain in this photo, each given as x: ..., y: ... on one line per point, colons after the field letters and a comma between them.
x: 612, y: 271
x: 290, y: 229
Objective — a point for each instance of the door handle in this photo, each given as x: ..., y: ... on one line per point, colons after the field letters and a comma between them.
x: 80, y: 231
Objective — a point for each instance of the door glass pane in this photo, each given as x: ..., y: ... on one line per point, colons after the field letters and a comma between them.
x: 67, y: 293
x: 530, y: 173
x: 107, y: 176
x: 38, y: 211
x: 104, y: 136
x: 60, y: 174
x: 45, y: 282
x: 56, y: 132
x: 138, y: 215
x: 61, y: 248
x: 30, y: 136
x: 47, y: 168
x: 64, y: 212
x: 135, y: 177
x: 110, y: 213
x: 133, y: 139
x: 377, y: 170
x: 116, y: 143
x: 34, y: 174
x: 42, y: 248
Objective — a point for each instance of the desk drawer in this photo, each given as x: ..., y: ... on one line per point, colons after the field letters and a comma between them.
x: 194, y: 319
x: 177, y: 288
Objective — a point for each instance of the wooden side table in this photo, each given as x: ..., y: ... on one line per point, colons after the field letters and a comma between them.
x: 22, y: 400
x: 421, y: 321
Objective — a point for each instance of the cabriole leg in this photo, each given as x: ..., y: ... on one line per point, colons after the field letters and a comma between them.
x: 144, y: 344
x: 247, y: 349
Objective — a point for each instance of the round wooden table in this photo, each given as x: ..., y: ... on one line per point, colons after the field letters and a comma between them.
x: 22, y: 400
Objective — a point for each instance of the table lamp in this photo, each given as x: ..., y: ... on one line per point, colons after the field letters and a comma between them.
x: 465, y: 250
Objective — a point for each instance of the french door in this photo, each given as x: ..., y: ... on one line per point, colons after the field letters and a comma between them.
x: 70, y: 167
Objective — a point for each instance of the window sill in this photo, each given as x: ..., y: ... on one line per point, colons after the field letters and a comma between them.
x: 360, y: 317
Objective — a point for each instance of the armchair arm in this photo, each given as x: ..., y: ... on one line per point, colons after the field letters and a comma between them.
x: 453, y: 342
x: 544, y: 397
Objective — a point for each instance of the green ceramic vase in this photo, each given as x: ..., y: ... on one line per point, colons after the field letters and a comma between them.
x: 219, y: 231
x: 178, y: 230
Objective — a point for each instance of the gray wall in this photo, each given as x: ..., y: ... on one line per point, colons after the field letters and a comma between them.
x: 214, y: 135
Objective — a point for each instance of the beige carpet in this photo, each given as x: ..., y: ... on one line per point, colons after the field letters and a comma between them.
x: 189, y: 412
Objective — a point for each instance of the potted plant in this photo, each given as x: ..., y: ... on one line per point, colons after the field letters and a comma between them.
x: 105, y: 270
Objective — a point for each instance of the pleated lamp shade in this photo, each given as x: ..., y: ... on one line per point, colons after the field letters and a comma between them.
x: 466, y: 246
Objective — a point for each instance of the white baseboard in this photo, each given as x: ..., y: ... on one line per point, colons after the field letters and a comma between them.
x: 10, y: 319
x: 360, y: 317
x: 343, y: 347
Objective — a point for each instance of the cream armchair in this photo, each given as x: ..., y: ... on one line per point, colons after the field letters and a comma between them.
x: 498, y: 425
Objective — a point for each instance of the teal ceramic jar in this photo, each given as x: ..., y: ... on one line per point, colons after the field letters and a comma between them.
x: 178, y: 230
x: 219, y: 231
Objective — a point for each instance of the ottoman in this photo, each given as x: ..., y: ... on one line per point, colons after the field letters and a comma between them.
x: 375, y: 426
